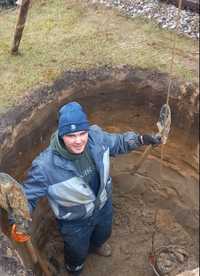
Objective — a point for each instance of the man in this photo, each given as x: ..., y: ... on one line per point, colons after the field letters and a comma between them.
x: 73, y: 172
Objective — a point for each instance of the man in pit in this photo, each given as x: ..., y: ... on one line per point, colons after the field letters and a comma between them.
x: 73, y: 173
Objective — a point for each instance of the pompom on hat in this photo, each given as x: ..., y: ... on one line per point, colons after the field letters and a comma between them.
x: 72, y: 118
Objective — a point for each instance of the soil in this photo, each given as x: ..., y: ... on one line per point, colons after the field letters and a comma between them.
x: 154, y: 210
x: 159, y: 200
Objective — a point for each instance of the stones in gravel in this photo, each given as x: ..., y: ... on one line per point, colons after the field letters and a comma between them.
x: 164, y: 14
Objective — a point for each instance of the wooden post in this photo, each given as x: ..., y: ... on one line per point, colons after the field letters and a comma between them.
x: 20, y: 25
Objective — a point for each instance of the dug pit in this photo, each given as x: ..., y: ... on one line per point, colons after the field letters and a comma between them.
x: 156, y: 209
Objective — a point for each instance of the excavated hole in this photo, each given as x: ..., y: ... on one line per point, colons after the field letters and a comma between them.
x: 159, y: 197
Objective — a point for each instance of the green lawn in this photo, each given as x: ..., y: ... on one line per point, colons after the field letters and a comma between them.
x: 62, y: 35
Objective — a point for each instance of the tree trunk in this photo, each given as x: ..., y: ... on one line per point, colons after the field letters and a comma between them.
x: 20, y: 26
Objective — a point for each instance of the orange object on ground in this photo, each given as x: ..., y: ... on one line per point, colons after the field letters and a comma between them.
x: 19, y: 236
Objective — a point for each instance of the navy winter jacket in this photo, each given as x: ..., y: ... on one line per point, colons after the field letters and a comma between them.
x: 56, y: 177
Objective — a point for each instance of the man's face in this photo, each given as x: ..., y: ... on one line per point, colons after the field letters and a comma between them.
x: 75, y: 142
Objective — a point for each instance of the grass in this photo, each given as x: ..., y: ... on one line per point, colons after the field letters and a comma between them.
x: 62, y: 35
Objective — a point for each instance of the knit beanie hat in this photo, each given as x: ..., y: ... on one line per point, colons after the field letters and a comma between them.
x: 72, y: 118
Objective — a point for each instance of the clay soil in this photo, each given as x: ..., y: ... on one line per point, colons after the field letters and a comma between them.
x: 155, y: 208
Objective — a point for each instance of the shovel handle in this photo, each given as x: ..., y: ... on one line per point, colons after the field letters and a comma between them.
x: 37, y: 259
x: 31, y: 251
x: 142, y: 159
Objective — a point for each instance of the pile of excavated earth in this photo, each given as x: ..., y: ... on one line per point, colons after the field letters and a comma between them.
x: 163, y: 14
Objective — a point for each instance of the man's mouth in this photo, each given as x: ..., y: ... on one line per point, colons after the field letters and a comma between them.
x: 78, y: 147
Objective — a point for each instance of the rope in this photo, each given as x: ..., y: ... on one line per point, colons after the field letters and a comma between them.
x: 152, y: 264
x: 171, y: 70
x: 172, y: 67
x: 173, y: 51
x: 146, y: 152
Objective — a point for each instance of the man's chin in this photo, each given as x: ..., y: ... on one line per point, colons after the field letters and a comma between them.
x: 78, y: 151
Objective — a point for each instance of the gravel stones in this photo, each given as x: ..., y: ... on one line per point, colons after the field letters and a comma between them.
x: 165, y: 15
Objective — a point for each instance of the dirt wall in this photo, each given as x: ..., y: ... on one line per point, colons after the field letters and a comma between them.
x: 159, y: 204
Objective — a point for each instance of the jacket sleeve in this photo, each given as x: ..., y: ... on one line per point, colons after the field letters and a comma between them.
x: 35, y: 186
x: 119, y: 143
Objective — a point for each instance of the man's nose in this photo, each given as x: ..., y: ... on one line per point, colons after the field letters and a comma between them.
x: 78, y: 139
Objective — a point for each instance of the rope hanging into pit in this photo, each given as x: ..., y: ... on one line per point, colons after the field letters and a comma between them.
x: 173, y: 50
x: 165, y: 113
x: 166, y: 121
x: 154, y: 255
x: 171, y: 68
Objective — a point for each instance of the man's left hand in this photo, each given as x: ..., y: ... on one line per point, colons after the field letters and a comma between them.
x: 148, y: 139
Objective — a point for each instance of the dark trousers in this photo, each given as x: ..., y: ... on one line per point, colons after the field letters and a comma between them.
x: 83, y: 235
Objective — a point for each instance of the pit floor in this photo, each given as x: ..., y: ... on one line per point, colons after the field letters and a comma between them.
x: 158, y: 205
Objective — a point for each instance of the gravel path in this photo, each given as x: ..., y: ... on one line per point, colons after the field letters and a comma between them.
x: 164, y: 14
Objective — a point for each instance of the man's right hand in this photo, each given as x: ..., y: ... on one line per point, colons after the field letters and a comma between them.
x: 19, y: 236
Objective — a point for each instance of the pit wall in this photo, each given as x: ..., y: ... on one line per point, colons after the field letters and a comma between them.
x: 25, y: 130
x: 32, y: 121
